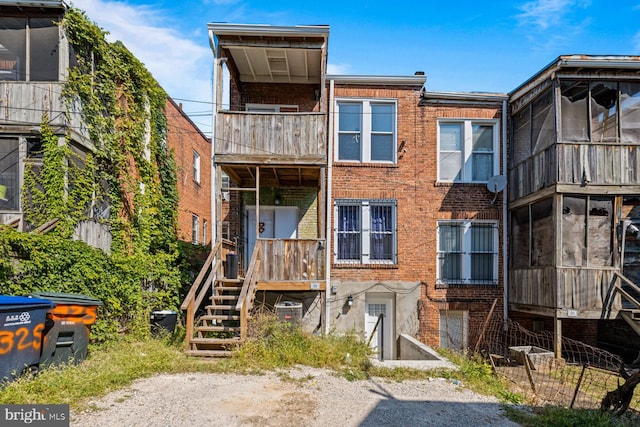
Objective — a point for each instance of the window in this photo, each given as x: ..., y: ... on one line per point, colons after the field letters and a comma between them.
x: 365, y: 231
x: 366, y: 131
x: 599, y: 111
x: 468, y: 150
x: 195, y: 229
x: 467, y: 252
x: 226, y: 183
x: 32, y: 56
x: 204, y: 232
x: 9, y: 178
x: 196, y: 167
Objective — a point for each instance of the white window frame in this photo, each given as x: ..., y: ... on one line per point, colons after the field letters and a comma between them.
x: 365, y: 231
x: 466, y: 175
x: 226, y: 183
x: 204, y: 231
x: 365, y: 131
x: 195, y: 229
x: 466, y: 252
x: 196, y: 166
x: 270, y: 108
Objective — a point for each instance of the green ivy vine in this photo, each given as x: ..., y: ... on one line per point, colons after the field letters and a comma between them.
x: 131, y: 170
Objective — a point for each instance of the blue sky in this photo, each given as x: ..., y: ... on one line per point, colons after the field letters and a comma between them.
x: 462, y: 46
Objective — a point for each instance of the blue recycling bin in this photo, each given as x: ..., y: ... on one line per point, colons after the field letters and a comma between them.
x: 22, y: 322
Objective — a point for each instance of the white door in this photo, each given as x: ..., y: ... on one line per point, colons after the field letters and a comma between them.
x: 382, y: 340
x: 275, y: 222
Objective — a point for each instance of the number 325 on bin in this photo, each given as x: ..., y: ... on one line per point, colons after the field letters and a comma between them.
x: 21, y: 339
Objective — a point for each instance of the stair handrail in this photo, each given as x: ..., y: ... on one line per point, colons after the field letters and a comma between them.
x: 625, y: 294
x: 197, y: 291
x: 248, y: 290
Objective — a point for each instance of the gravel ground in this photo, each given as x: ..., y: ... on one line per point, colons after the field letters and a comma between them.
x: 295, y: 397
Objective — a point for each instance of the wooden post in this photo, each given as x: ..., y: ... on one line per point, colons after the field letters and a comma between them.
x: 575, y: 393
x: 527, y: 368
x: 484, y: 325
x: 557, y: 336
x: 257, y: 203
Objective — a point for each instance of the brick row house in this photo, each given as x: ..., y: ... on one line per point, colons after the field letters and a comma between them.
x: 360, y: 202
x: 192, y: 153
x: 370, y: 203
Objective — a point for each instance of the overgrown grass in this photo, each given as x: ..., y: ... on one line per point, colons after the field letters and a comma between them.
x: 553, y: 416
x: 108, y: 368
x: 273, y: 346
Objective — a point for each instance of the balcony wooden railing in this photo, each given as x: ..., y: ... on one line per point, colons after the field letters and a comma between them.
x: 24, y: 103
x: 292, y: 259
x: 283, y: 138
x: 576, y: 163
x: 564, y: 288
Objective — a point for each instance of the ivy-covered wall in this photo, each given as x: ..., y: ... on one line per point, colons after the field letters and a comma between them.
x: 131, y: 171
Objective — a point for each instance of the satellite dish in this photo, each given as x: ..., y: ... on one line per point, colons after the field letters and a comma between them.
x: 496, y: 183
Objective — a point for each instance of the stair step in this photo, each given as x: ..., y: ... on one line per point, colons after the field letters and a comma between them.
x: 634, y: 313
x: 220, y: 328
x: 230, y: 281
x: 228, y: 288
x: 224, y: 297
x: 221, y: 307
x: 209, y: 353
x: 215, y: 341
x: 220, y: 317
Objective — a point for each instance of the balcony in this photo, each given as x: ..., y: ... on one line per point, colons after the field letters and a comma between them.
x: 271, y: 138
x: 22, y: 105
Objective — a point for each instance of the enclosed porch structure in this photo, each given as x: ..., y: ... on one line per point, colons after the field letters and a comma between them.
x: 573, y: 185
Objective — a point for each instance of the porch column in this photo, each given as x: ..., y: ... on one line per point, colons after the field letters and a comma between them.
x: 557, y: 336
x: 257, y: 203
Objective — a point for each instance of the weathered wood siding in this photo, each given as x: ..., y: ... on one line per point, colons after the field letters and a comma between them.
x: 291, y: 259
x: 533, y: 174
x: 24, y: 103
x: 562, y: 288
x: 596, y: 164
x: 534, y: 286
x: 584, y: 289
x: 94, y: 234
x: 295, y: 138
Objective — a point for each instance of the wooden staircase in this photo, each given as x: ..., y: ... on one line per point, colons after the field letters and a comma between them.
x: 630, y: 301
x: 219, y: 327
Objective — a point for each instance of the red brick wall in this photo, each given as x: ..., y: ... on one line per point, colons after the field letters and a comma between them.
x: 421, y: 203
x: 302, y: 95
x: 183, y: 138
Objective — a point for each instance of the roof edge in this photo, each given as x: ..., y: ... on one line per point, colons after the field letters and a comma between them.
x: 415, y: 80
x: 268, y: 30
x: 465, y: 96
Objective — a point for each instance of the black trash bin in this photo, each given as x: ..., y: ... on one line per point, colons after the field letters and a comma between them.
x: 22, y: 322
x: 231, y: 267
x: 66, y: 335
x: 163, y: 322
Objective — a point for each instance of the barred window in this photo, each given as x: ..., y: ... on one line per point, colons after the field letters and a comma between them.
x: 366, y: 231
x: 467, y: 252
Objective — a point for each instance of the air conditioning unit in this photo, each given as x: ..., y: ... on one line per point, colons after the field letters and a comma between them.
x: 226, y: 196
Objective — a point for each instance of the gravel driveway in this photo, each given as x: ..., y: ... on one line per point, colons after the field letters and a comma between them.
x: 296, y: 397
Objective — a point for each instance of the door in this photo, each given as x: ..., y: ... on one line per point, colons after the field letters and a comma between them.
x: 383, y: 339
x: 454, y: 325
x: 275, y: 223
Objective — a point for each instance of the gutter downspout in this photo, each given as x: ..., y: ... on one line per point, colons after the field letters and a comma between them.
x: 505, y: 264
x: 214, y: 173
x: 329, y: 210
